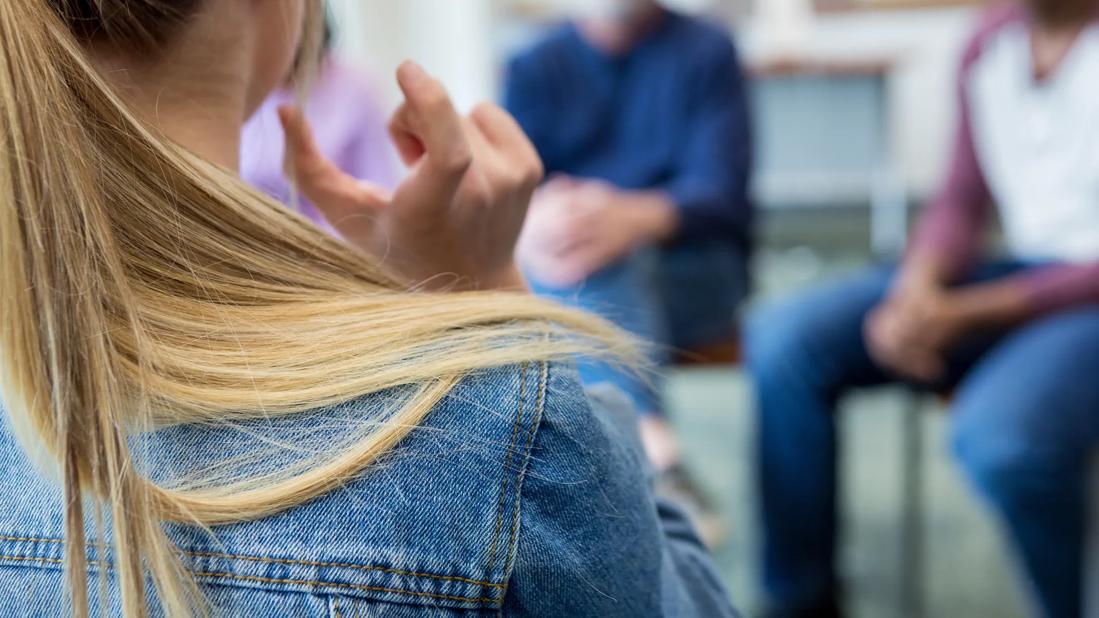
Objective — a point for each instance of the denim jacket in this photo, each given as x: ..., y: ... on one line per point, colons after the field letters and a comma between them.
x: 519, y: 495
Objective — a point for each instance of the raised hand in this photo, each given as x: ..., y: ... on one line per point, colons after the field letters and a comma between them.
x: 454, y: 222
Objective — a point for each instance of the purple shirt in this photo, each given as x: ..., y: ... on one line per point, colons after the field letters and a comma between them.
x: 350, y: 129
x: 954, y: 224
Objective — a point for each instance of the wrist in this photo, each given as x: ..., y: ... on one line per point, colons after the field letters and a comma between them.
x: 510, y: 279
x: 921, y: 272
x: 994, y: 305
x: 657, y: 218
x: 915, y: 279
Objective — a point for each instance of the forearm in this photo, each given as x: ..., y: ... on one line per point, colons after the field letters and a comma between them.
x: 692, y: 585
x: 1032, y: 293
x: 994, y: 305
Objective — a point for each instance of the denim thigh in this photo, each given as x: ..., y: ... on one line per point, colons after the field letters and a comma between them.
x: 626, y: 295
x: 702, y: 286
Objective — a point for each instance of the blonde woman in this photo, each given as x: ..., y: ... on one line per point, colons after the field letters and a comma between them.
x: 212, y: 407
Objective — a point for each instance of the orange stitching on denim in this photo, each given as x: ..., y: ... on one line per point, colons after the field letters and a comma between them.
x: 288, y: 561
x: 448, y: 578
x: 507, y: 464
x: 272, y: 580
x: 32, y: 559
x: 29, y: 538
x: 539, y: 409
x: 336, y: 606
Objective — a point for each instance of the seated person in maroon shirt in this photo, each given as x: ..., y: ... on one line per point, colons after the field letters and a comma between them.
x: 1016, y: 339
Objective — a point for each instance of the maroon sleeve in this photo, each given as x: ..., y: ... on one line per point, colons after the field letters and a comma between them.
x: 952, y: 228
x: 1055, y: 288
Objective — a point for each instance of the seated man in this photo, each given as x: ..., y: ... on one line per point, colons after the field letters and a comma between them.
x: 640, y: 116
x: 1017, y: 339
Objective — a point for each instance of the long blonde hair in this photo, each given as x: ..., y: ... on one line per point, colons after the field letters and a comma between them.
x: 141, y: 286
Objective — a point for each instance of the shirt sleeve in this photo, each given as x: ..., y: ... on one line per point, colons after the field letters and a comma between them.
x: 952, y: 228
x: 711, y: 186
x: 369, y: 153
x: 526, y: 97
x: 1060, y: 287
x: 593, y: 541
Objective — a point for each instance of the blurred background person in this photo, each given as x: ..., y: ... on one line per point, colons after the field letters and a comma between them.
x: 853, y: 120
x: 640, y: 116
x: 346, y: 112
x: 1017, y: 338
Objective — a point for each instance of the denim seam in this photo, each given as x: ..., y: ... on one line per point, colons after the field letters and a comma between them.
x: 538, y: 408
x: 336, y: 606
x: 289, y: 562
x: 306, y: 582
x: 32, y: 559
x: 501, y: 502
x: 498, y: 528
x: 536, y: 422
x: 273, y: 580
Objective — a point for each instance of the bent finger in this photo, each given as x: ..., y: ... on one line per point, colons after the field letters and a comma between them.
x: 409, y: 146
x: 431, y: 119
x: 331, y: 190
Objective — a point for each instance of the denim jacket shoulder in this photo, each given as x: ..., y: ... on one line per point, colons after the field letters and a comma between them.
x: 434, y: 528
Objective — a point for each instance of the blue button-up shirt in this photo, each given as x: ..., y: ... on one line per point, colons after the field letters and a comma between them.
x: 671, y: 114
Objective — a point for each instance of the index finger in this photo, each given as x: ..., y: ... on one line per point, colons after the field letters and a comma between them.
x: 431, y: 118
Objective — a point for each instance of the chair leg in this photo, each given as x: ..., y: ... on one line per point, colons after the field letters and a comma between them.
x: 911, y: 567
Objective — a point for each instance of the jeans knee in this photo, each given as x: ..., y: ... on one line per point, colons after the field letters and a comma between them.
x: 1004, y: 471
x: 774, y: 339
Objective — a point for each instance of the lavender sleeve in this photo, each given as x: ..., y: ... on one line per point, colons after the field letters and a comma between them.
x: 350, y: 129
x: 368, y: 151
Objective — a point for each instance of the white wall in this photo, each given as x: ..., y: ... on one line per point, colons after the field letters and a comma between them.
x: 456, y: 39
x: 451, y: 38
x: 926, y: 45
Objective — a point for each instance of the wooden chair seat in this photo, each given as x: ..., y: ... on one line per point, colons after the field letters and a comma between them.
x: 717, y: 354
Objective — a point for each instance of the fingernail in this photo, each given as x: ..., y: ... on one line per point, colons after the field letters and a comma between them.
x: 287, y: 113
x: 412, y: 72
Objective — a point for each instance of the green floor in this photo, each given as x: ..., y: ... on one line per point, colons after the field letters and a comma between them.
x: 968, y: 571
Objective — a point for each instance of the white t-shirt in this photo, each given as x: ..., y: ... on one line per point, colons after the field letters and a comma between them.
x: 1038, y: 144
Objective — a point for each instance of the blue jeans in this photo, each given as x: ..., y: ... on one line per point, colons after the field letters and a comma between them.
x: 674, y: 298
x: 1025, y: 425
